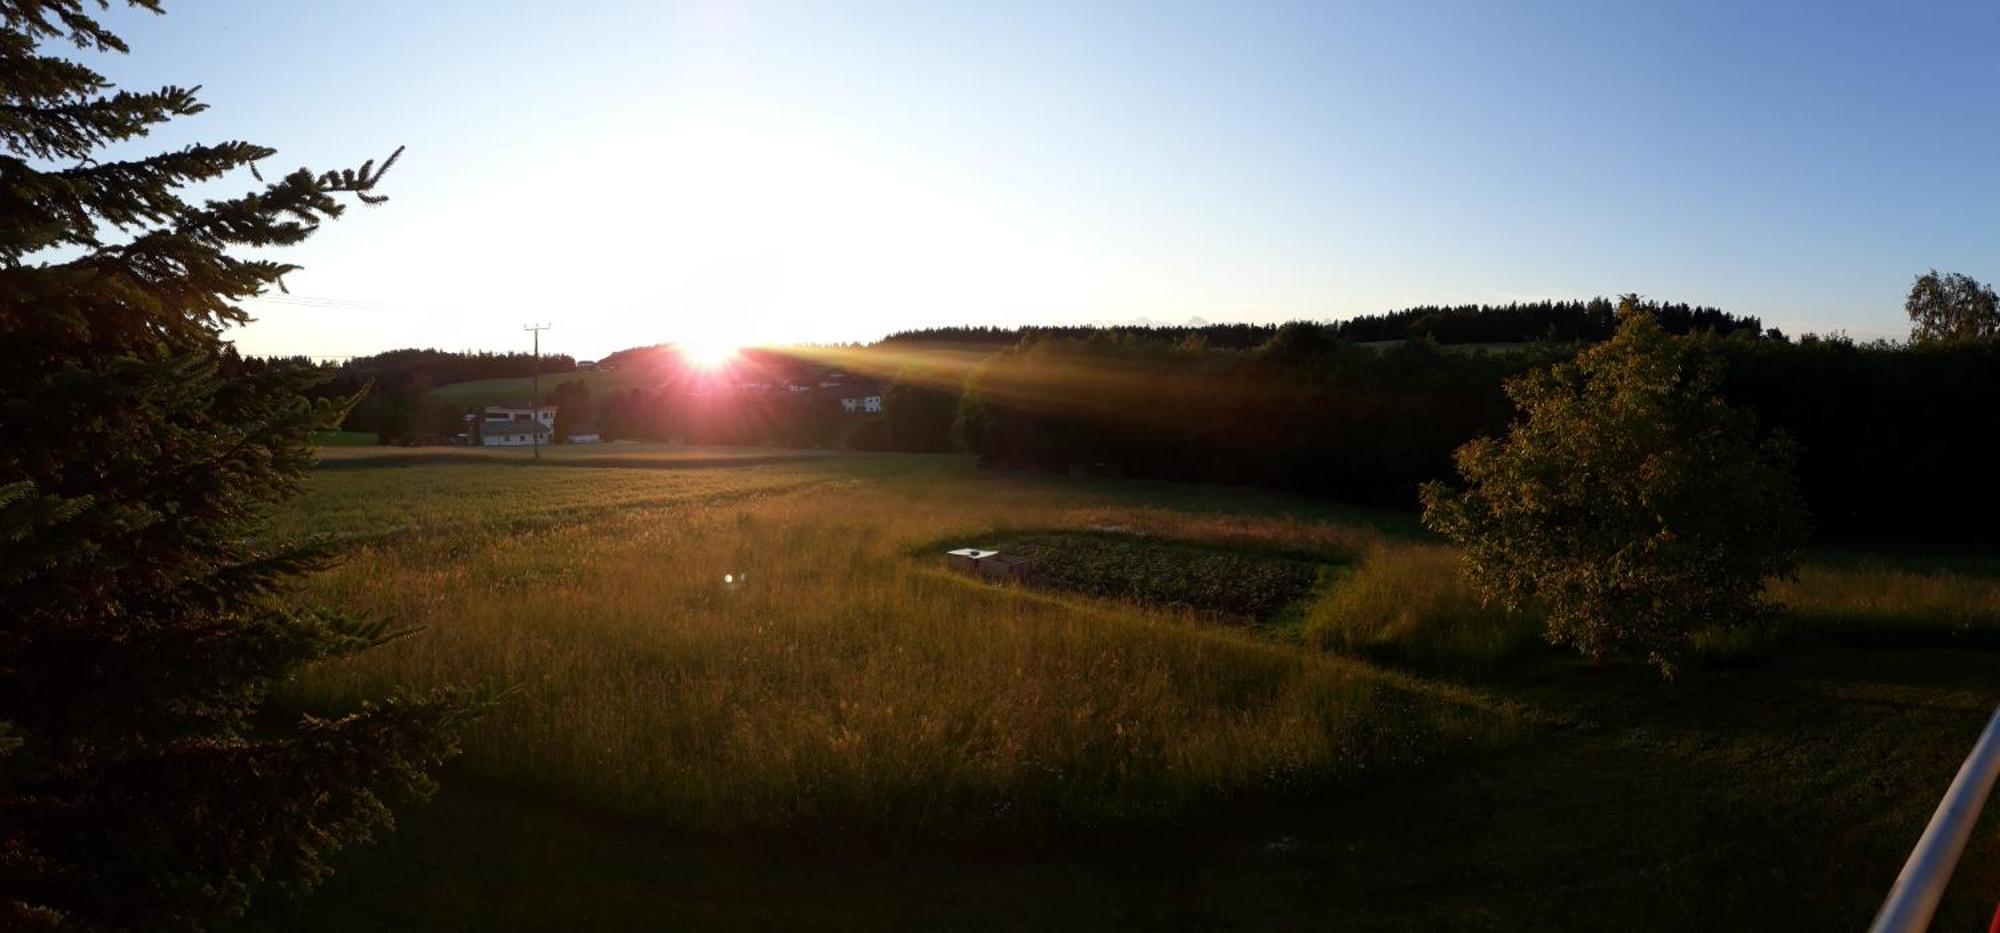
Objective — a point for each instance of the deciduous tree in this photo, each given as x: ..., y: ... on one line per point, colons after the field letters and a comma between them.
x: 1628, y: 502
x: 1952, y: 309
x: 573, y: 408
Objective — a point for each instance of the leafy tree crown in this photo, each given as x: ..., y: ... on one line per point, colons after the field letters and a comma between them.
x: 1629, y: 502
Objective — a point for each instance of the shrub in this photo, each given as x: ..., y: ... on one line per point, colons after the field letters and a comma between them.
x: 1629, y: 500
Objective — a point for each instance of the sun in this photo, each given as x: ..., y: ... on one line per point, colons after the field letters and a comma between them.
x: 709, y: 352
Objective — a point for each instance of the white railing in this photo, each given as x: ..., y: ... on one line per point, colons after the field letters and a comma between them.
x: 1915, y: 896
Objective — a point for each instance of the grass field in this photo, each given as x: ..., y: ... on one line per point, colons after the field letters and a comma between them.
x: 341, y: 439
x: 479, y: 393
x: 846, y: 735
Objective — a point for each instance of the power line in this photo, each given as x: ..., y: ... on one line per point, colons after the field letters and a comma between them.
x: 535, y: 399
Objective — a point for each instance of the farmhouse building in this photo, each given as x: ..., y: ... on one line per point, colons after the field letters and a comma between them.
x: 524, y: 426
x: 857, y: 396
x: 546, y: 414
x: 861, y: 403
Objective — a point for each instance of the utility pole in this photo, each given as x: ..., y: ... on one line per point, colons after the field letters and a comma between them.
x: 535, y: 401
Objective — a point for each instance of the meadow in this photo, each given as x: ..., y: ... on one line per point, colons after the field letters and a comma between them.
x: 477, y: 393
x: 745, y: 690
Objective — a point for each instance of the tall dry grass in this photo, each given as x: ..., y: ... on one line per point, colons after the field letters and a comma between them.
x: 1408, y: 603
x: 848, y: 683
x: 844, y: 684
x: 1873, y: 601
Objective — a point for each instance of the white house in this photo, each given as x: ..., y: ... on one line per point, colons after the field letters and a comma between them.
x: 521, y: 433
x: 546, y: 414
x: 517, y: 427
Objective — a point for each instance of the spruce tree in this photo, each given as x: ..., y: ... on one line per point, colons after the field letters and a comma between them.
x: 142, y: 616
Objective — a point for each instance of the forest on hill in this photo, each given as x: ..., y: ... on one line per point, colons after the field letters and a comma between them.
x: 1553, y: 321
x: 1362, y: 411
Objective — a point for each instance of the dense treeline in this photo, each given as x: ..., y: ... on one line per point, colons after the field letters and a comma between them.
x: 394, y: 387
x: 737, y: 418
x: 1886, y: 432
x: 1557, y: 321
x: 751, y: 401
x: 441, y: 367
x: 1888, y: 435
x: 1891, y: 439
x: 1305, y: 411
x: 1230, y: 336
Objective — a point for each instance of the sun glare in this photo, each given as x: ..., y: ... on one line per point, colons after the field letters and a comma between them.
x: 709, y: 352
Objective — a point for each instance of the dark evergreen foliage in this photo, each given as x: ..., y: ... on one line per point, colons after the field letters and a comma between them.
x: 394, y: 388
x: 1890, y: 437
x: 141, y: 615
x: 1555, y: 321
x: 1236, y: 336
x: 440, y: 367
x: 1305, y: 412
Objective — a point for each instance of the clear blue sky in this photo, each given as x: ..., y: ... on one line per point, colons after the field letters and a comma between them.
x: 639, y: 172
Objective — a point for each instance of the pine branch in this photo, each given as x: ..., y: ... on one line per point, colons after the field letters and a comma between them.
x: 73, y: 128
x: 144, y: 618
x: 65, y: 19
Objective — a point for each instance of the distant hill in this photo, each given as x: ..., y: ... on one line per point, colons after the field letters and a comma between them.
x: 444, y: 367
x: 479, y: 393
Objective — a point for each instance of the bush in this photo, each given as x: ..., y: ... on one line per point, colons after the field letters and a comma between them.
x: 1629, y: 500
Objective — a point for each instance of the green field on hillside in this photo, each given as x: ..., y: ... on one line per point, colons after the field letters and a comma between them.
x: 346, y: 439
x: 479, y: 393
x: 748, y: 692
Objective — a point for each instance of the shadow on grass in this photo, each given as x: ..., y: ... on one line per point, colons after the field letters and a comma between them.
x: 1784, y: 798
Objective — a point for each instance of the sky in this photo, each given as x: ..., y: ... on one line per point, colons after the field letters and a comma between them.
x: 722, y: 173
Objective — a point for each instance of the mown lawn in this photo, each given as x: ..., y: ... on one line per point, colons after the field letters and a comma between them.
x: 849, y: 736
